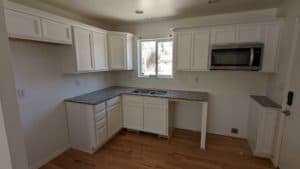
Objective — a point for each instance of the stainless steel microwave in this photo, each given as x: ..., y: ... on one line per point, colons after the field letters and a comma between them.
x: 237, y: 57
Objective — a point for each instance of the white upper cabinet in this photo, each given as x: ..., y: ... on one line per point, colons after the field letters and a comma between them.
x: 100, y: 50
x: 54, y: 31
x: 271, y: 40
x: 192, y: 50
x: 200, y: 56
x: 30, y: 27
x: 22, y: 25
x: 183, y: 50
x: 83, y: 46
x: 249, y: 33
x: 223, y: 34
x: 120, y: 50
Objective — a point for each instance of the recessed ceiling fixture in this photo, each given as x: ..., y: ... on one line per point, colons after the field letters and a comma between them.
x: 212, y: 1
x: 139, y: 11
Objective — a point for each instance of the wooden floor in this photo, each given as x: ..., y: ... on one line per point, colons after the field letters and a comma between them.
x: 130, y: 150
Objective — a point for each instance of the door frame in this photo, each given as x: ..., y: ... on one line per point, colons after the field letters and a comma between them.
x: 282, y: 118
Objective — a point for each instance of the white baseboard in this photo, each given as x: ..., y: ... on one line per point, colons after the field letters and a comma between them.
x: 50, y: 157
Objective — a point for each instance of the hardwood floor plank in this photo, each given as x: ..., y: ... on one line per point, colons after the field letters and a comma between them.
x: 130, y: 150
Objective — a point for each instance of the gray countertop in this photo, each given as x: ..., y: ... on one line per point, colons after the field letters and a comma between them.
x: 101, y: 96
x: 265, y: 102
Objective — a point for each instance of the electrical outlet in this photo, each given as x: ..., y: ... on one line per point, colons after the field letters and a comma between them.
x: 20, y: 93
x: 235, y: 131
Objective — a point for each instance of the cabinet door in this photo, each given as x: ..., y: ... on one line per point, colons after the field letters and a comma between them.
x: 23, y: 26
x: 249, y: 33
x: 201, y: 41
x: 100, y: 51
x: 82, y: 42
x: 183, y: 50
x: 223, y: 35
x: 114, y: 119
x: 133, y: 112
x: 101, y: 136
x: 56, y: 32
x: 117, y: 51
x: 271, y: 39
x: 156, y: 116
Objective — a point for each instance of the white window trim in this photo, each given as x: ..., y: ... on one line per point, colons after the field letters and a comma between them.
x: 139, y: 55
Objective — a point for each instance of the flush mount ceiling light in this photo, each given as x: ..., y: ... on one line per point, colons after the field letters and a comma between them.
x: 139, y: 11
x: 212, y: 1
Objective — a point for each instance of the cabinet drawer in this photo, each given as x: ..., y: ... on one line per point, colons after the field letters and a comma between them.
x: 100, y: 107
x: 100, y: 124
x: 133, y: 99
x: 100, y: 115
x: 113, y: 101
x: 155, y: 101
x: 101, y: 136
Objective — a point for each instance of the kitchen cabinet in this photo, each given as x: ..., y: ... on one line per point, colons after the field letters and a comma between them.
x: 192, y: 50
x: 91, y: 126
x: 133, y: 117
x: 261, y: 129
x: 200, y: 56
x: 99, y: 46
x: 120, y: 50
x: 183, y: 50
x: 156, y: 115
x: 23, y: 26
x: 87, y: 126
x: 83, y: 49
x: 271, y: 43
x: 223, y: 34
x: 146, y: 114
x: 114, y: 116
x: 249, y: 33
x: 90, y: 51
x: 54, y: 31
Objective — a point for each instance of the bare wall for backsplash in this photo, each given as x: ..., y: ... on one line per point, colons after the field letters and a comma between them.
x: 38, y: 74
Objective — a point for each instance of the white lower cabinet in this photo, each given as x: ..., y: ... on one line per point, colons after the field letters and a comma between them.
x: 90, y: 127
x: 132, y: 112
x: 146, y: 114
x: 156, y: 116
x: 261, y: 129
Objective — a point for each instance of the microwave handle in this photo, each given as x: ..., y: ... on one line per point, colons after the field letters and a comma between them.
x: 251, y: 56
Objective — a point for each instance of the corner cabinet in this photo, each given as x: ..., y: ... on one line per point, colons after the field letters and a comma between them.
x: 91, y: 126
x: 192, y: 50
x: 120, y: 51
x: 89, y: 51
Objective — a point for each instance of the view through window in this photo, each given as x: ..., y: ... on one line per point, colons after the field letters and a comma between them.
x: 156, y: 58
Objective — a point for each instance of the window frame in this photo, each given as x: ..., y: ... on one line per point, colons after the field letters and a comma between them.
x: 140, y: 75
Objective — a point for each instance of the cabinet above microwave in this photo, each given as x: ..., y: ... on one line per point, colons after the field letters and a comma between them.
x: 193, y: 53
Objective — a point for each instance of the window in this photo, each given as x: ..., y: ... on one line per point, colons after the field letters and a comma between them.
x: 156, y: 58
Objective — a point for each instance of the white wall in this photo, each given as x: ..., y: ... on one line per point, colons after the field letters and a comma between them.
x: 5, y: 161
x: 229, y: 91
x: 9, y: 111
x: 38, y: 73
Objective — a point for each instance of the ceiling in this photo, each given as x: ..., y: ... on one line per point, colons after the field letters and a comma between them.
x: 116, y: 12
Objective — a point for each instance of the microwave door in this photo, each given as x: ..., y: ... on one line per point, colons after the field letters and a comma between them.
x: 232, y: 59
